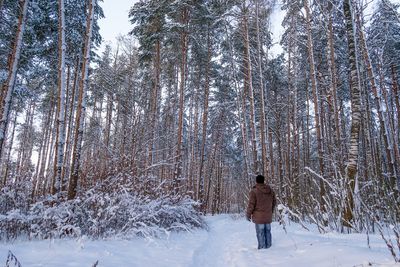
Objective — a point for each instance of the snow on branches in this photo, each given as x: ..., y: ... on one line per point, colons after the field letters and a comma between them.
x: 114, y: 208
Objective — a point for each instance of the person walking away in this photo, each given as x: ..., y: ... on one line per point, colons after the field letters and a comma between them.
x: 261, y: 205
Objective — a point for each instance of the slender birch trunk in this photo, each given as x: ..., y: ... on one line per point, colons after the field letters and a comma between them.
x: 81, y: 109
x: 60, y: 139
x: 351, y: 168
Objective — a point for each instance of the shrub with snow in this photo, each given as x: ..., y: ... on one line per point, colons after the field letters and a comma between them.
x: 116, y: 208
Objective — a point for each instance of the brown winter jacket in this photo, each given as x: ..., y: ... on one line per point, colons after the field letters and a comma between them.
x: 262, y: 203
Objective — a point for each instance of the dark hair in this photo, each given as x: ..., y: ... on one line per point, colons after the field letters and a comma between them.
x: 260, y: 179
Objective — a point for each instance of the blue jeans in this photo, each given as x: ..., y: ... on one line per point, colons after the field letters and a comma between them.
x: 264, y: 238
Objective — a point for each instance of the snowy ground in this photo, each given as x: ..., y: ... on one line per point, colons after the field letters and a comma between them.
x: 227, y: 243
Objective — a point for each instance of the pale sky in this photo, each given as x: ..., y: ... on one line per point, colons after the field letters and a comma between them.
x: 116, y: 21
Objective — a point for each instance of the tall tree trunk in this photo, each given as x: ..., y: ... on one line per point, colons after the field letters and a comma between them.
x: 81, y: 109
x: 370, y: 132
x: 110, y: 99
x: 71, y: 107
x: 26, y: 144
x: 194, y: 153
x: 290, y: 111
x: 60, y: 139
x: 192, y: 137
x: 249, y: 86
x: 241, y: 110
x: 184, y: 49
x: 65, y: 158
x: 378, y: 102
x: 200, y: 184
x: 396, y: 135
x: 307, y: 147
x: 295, y: 129
x: 8, y: 87
x: 50, y: 162
x: 7, y: 162
x: 315, y: 98
x: 395, y: 88
x: 41, y: 152
x: 281, y: 185
x: 333, y: 79
x: 393, y: 145
x: 396, y: 93
x: 351, y: 168
x: 154, y: 104
x: 47, y: 129
x: 271, y: 157
x: 213, y: 159
x: 288, y: 167
x: 264, y: 159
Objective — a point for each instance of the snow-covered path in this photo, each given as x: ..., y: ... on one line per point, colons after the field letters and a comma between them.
x: 227, y: 243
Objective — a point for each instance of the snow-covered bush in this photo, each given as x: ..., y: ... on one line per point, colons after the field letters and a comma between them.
x: 12, y: 199
x: 116, y: 208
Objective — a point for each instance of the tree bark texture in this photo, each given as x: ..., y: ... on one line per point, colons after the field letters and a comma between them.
x: 81, y: 108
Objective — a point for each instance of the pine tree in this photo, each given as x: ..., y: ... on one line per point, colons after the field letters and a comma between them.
x: 81, y: 108
x: 8, y: 87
